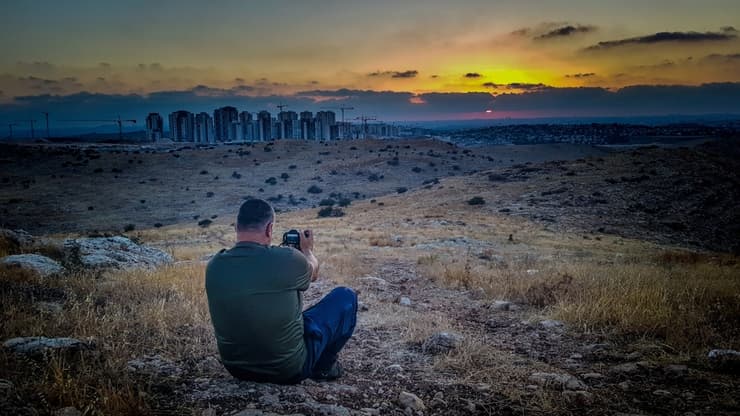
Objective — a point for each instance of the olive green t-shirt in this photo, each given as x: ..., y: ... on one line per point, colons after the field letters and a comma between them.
x: 254, y: 296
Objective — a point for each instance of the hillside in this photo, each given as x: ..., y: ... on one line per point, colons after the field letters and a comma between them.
x: 558, y: 300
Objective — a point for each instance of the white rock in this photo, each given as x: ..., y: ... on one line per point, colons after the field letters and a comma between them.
x: 404, y: 301
x: 36, y: 345
x: 551, y: 323
x: 36, y: 263
x: 113, y: 252
x: 441, y: 342
x: 411, y: 401
x: 501, y: 305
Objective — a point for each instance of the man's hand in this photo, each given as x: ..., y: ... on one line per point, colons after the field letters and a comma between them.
x: 307, y: 250
x: 306, y: 241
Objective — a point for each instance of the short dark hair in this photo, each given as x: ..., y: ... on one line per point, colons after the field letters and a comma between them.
x: 254, y: 214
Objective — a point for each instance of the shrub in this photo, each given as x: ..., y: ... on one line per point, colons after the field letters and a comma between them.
x: 284, y: 176
x: 327, y: 202
x: 476, y: 200
x: 236, y: 175
x: 393, y: 162
x: 157, y: 225
x: 129, y: 227
x: 374, y: 177
x: 344, y: 202
x: 271, y: 180
x: 313, y: 189
x: 204, y: 223
x: 416, y: 169
x: 209, y: 194
x: 330, y: 212
x: 401, y: 189
x: 292, y: 167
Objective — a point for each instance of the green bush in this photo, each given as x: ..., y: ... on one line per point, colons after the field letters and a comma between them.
x: 476, y: 200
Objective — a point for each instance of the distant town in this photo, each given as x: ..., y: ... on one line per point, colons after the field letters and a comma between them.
x: 228, y: 124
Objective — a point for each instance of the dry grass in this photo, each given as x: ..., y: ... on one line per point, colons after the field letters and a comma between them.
x: 127, y: 315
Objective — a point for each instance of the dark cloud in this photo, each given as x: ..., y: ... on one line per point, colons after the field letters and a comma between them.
x: 663, y: 37
x: 472, y: 75
x: 565, y: 31
x: 581, y: 75
x: 523, y: 86
x: 633, y: 100
x: 536, y: 100
x: 411, y: 73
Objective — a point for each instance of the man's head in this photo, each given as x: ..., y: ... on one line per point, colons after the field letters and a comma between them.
x: 254, y: 222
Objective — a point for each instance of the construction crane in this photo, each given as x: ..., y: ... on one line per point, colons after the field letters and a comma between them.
x: 10, y: 127
x: 47, y: 123
x: 341, y: 108
x: 33, y: 131
x: 364, y: 120
x: 118, y: 121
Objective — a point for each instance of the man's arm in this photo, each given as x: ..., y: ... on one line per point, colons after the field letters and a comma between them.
x: 307, y: 250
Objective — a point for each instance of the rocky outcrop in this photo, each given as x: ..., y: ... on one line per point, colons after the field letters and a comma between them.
x: 35, y: 263
x: 41, y: 345
x: 112, y: 252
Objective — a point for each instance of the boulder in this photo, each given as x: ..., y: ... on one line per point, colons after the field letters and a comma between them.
x: 15, y: 240
x: 411, y: 401
x: 112, y: 252
x: 441, y: 342
x: 40, y: 345
x: 35, y: 263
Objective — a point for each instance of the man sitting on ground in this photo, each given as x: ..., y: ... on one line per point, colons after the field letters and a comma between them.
x: 255, y: 300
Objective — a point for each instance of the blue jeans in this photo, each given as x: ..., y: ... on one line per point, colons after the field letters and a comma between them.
x: 327, y: 326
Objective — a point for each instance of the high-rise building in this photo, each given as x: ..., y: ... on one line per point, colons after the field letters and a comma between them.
x: 308, y: 129
x: 204, y: 128
x: 264, y: 126
x: 154, y: 127
x: 225, y: 121
x: 288, y: 123
x: 182, y: 126
x: 246, y: 124
x: 324, y: 121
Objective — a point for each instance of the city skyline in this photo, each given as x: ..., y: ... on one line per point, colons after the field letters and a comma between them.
x: 410, y: 61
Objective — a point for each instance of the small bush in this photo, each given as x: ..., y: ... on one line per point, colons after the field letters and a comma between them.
x: 284, y: 176
x: 330, y: 212
x: 327, y: 202
x: 476, y: 200
x: 344, y: 202
x: 374, y: 177
x: 313, y: 189
x: 204, y: 223
x: 401, y: 189
x: 416, y: 169
x: 129, y: 227
x: 236, y: 175
x: 271, y: 180
x: 209, y: 194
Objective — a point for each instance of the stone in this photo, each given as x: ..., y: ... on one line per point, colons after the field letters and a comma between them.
x: 35, y: 263
x: 112, y: 252
x: 624, y: 386
x: 394, y: 369
x: 592, y: 376
x: 40, y: 345
x: 662, y: 393
x: 441, y: 342
x: 404, y: 301
x: 728, y: 360
x: 67, y: 411
x: 676, y: 370
x: 501, y: 305
x: 411, y: 401
x: 551, y: 324
x: 563, y: 381
x: 370, y: 411
x: 579, y: 397
x: 626, y: 368
x: 154, y: 365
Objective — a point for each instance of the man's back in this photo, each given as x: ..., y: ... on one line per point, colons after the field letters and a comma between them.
x: 255, y: 306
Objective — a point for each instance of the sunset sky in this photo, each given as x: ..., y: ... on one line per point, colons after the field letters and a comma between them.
x: 395, y: 59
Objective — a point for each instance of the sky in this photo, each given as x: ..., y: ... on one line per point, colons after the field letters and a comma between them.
x: 396, y: 60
